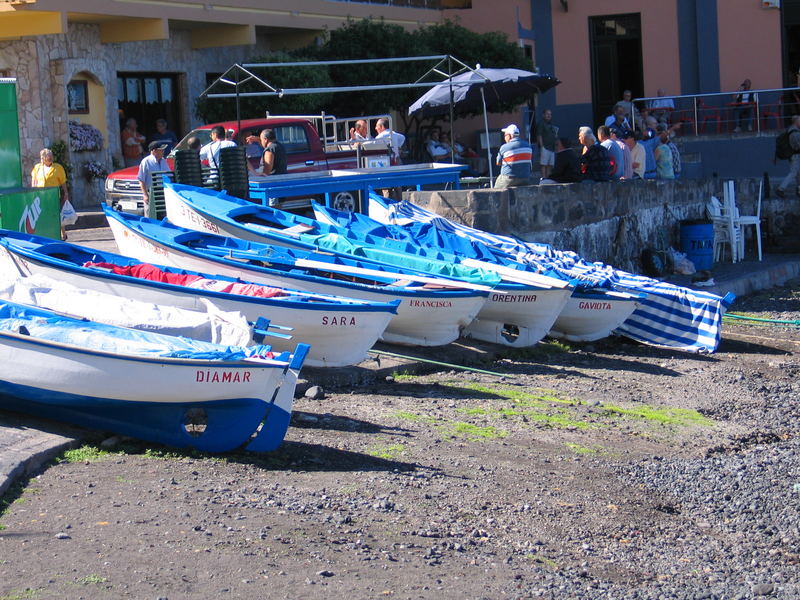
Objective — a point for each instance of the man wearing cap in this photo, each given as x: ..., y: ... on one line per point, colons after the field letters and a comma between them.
x: 514, y: 158
x: 637, y: 154
x: 152, y: 163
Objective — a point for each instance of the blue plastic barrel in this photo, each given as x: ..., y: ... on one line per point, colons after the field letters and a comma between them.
x: 697, y: 243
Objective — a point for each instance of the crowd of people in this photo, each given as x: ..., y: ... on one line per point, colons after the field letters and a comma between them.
x: 615, y: 151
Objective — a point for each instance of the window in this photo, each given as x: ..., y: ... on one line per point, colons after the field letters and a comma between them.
x: 293, y: 138
x: 78, y: 97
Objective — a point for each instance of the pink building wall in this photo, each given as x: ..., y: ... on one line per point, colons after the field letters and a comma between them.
x: 571, y: 45
x: 493, y: 15
x: 749, y: 45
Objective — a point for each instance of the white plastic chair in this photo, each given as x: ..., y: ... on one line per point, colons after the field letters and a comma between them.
x: 725, y: 230
x: 742, y: 221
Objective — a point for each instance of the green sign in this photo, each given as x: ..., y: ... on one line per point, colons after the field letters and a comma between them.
x: 34, y: 210
x: 10, y: 164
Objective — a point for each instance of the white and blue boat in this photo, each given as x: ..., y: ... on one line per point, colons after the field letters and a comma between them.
x: 668, y: 315
x: 340, y: 330
x: 590, y: 313
x: 165, y: 389
x: 521, y: 309
x: 432, y: 310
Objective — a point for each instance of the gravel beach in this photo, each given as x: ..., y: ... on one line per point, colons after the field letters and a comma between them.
x: 603, y: 470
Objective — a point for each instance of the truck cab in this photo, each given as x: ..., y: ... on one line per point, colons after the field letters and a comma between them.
x: 311, y: 143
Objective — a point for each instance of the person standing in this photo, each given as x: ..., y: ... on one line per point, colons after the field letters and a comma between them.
x: 514, y: 158
x: 614, y: 152
x: 595, y: 160
x: 637, y: 154
x: 152, y: 163
x: 132, y: 140
x: 744, y: 101
x: 273, y: 159
x: 663, y: 154
x: 567, y: 168
x: 546, y: 134
x: 360, y: 132
x: 210, y: 152
x: 793, y: 178
x: 396, y: 140
x: 47, y: 173
x: 165, y: 135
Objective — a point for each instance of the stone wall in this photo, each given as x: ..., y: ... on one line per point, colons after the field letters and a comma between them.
x: 43, y: 66
x: 608, y: 222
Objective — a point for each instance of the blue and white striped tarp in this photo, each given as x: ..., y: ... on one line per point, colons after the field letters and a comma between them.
x: 669, y: 315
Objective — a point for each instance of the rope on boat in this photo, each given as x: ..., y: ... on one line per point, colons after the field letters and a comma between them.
x: 436, y: 362
x: 777, y: 321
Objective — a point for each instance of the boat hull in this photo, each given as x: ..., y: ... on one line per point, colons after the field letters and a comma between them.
x: 207, y: 405
x: 339, y: 335
x: 589, y: 317
x: 518, y: 318
x: 423, y: 318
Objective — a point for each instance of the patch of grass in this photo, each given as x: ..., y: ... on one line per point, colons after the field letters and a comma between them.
x: 20, y: 594
x: 91, y: 579
x: 121, y: 479
x: 547, y: 562
x: 516, y: 395
x: 387, y: 452
x: 666, y: 416
x: 578, y: 449
x: 473, y: 432
x: 86, y: 453
x: 170, y: 454
x: 410, y: 416
x: 403, y: 377
x: 535, y: 405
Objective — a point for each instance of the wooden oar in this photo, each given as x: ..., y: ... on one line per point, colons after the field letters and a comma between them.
x: 516, y: 275
x: 440, y: 281
x: 326, y: 266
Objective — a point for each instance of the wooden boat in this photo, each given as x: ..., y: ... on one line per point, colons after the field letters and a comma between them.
x: 340, y: 330
x: 590, y: 313
x: 432, y: 311
x: 519, y: 312
x: 667, y: 315
x: 160, y: 388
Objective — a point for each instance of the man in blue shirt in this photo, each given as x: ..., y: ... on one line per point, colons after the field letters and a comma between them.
x: 514, y: 158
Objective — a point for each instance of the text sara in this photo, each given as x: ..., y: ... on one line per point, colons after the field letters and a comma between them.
x: 340, y: 321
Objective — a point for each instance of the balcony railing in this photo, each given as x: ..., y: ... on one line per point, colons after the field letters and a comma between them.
x: 431, y: 4
x: 719, y: 113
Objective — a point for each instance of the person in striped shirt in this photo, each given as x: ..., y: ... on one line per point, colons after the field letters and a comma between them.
x: 514, y: 158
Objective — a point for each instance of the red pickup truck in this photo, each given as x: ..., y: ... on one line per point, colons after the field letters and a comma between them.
x: 305, y: 150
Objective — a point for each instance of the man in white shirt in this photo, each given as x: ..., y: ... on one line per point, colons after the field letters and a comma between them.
x: 210, y: 152
x: 396, y: 140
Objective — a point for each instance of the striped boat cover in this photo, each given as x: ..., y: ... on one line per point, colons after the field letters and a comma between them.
x: 669, y: 315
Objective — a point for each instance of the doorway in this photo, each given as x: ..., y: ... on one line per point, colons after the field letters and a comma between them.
x: 616, y: 58
x: 147, y: 97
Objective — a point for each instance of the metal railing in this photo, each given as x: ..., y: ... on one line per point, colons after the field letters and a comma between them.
x: 432, y: 4
x: 710, y: 113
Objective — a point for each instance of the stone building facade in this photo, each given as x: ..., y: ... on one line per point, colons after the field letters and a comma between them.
x: 43, y: 67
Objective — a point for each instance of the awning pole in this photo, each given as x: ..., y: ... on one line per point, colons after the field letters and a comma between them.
x: 488, y: 141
